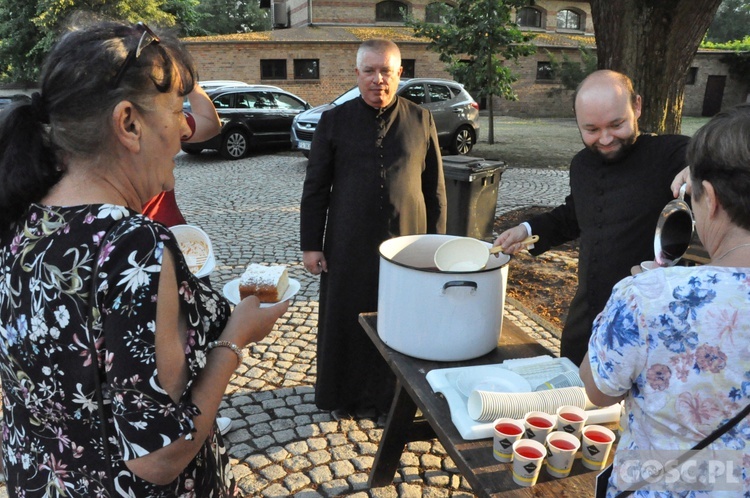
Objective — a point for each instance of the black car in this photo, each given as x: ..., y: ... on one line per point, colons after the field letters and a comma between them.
x: 250, y: 115
x: 6, y: 100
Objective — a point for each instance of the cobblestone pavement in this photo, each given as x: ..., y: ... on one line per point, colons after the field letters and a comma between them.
x: 281, y: 444
x: 284, y: 445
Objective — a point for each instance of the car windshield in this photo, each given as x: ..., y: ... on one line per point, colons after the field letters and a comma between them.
x: 346, y: 96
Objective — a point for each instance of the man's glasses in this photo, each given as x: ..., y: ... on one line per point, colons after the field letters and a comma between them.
x: 147, y: 38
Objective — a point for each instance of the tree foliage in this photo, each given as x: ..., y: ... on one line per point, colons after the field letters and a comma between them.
x: 475, y: 42
x: 731, y: 22
x: 570, y: 73
x: 28, y: 28
x: 219, y: 17
x: 654, y: 43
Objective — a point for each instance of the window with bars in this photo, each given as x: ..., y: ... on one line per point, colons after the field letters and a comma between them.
x: 273, y: 69
x: 433, y: 12
x: 408, y: 65
x: 306, y: 69
x: 544, y: 71
x: 569, y: 19
x: 529, y: 17
x: 390, y: 11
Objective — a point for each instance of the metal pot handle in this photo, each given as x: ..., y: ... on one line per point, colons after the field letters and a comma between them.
x: 683, y: 189
x: 460, y: 283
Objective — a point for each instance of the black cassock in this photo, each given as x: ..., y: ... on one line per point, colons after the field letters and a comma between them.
x: 372, y: 175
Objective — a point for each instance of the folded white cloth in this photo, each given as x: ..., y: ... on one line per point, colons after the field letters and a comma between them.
x: 487, y: 406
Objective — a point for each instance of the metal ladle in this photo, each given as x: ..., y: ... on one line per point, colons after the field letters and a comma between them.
x: 468, y: 254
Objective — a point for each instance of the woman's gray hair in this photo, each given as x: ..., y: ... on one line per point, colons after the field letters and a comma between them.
x: 719, y: 153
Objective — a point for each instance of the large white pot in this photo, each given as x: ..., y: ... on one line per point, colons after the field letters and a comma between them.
x: 438, y: 315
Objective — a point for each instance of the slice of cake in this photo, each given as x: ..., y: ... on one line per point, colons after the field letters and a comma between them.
x: 268, y: 283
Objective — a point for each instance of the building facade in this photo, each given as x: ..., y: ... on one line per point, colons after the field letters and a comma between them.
x: 311, y: 52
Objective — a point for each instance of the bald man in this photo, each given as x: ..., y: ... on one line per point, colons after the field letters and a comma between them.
x: 619, y: 183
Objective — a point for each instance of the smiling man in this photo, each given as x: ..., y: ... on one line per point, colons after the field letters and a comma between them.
x: 374, y: 172
x: 619, y: 183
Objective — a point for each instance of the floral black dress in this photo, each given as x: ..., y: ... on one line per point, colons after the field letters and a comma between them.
x: 52, y: 437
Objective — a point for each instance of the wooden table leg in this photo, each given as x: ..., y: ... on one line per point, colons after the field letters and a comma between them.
x: 395, y: 436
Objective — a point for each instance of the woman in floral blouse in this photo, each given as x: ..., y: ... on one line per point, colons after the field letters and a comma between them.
x: 675, y: 342
x: 78, y: 161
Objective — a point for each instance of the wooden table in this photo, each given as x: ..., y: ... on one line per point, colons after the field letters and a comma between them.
x: 487, y: 476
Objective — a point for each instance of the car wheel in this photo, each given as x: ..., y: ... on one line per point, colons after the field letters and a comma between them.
x: 234, y: 145
x: 463, y: 141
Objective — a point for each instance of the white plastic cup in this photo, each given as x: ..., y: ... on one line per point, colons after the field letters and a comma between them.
x: 528, y: 456
x: 193, y: 239
x: 649, y: 265
x: 538, y: 425
x: 561, y: 453
x: 596, y: 443
x: 507, y: 431
x: 571, y: 419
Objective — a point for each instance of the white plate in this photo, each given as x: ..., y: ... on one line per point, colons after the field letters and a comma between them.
x: 493, y: 379
x: 232, y: 292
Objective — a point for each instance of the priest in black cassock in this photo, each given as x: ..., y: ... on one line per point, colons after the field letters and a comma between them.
x: 374, y: 173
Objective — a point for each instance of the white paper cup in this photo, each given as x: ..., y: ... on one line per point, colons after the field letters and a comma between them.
x: 507, y: 431
x: 196, y: 248
x: 649, y: 265
x: 596, y: 443
x: 571, y: 419
x: 538, y: 425
x: 561, y: 453
x: 528, y: 456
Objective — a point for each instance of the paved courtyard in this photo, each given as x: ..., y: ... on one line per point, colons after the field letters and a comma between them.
x: 281, y: 444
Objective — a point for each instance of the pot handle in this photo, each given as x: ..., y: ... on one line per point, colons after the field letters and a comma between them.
x: 460, y: 283
x: 683, y: 189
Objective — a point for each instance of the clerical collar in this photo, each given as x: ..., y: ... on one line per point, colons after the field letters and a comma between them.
x: 380, y: 110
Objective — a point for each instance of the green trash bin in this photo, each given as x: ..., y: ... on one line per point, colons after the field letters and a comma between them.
x: 471, y: 186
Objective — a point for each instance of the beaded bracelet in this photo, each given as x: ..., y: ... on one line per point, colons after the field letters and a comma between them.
x: 226, y: 344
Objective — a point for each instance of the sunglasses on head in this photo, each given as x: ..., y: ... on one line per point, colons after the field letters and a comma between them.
x: 147, y: 38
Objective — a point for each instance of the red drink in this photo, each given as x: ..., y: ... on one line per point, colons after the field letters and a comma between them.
x: 571, y: 417
x: 508, y: 429
x: 562, y: 444
x: 539, y: 422
x: 598, y: 437
x: 529, y: 452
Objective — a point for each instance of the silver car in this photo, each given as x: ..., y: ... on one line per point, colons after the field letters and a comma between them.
x: 455, y: 112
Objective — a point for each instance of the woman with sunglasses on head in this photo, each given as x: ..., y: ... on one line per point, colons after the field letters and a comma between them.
x: 96, y: 300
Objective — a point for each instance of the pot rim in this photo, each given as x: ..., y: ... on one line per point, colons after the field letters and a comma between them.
x: 486, y: 269
x: 445, y: 272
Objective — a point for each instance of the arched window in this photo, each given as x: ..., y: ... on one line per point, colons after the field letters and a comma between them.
x: 569, y: 19
x: 433, y: 12
x: 390, y: 11
x: 529, y: 17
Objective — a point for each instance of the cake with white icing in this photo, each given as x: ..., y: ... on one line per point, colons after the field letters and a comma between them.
x: 268, y: 283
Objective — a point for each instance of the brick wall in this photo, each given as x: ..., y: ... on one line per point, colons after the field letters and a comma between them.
x: 241, y: 61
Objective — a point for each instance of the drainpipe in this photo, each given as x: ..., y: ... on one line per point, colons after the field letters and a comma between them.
x: 309, y: 12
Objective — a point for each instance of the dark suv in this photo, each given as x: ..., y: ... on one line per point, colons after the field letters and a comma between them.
x: 455, y: 112
x: 250, y: 115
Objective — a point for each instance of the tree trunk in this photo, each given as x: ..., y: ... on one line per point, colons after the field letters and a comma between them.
x: 491, y: 121
x: 654, y: 42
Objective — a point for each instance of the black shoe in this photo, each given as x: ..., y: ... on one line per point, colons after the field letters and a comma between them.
x: 341, y: 414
